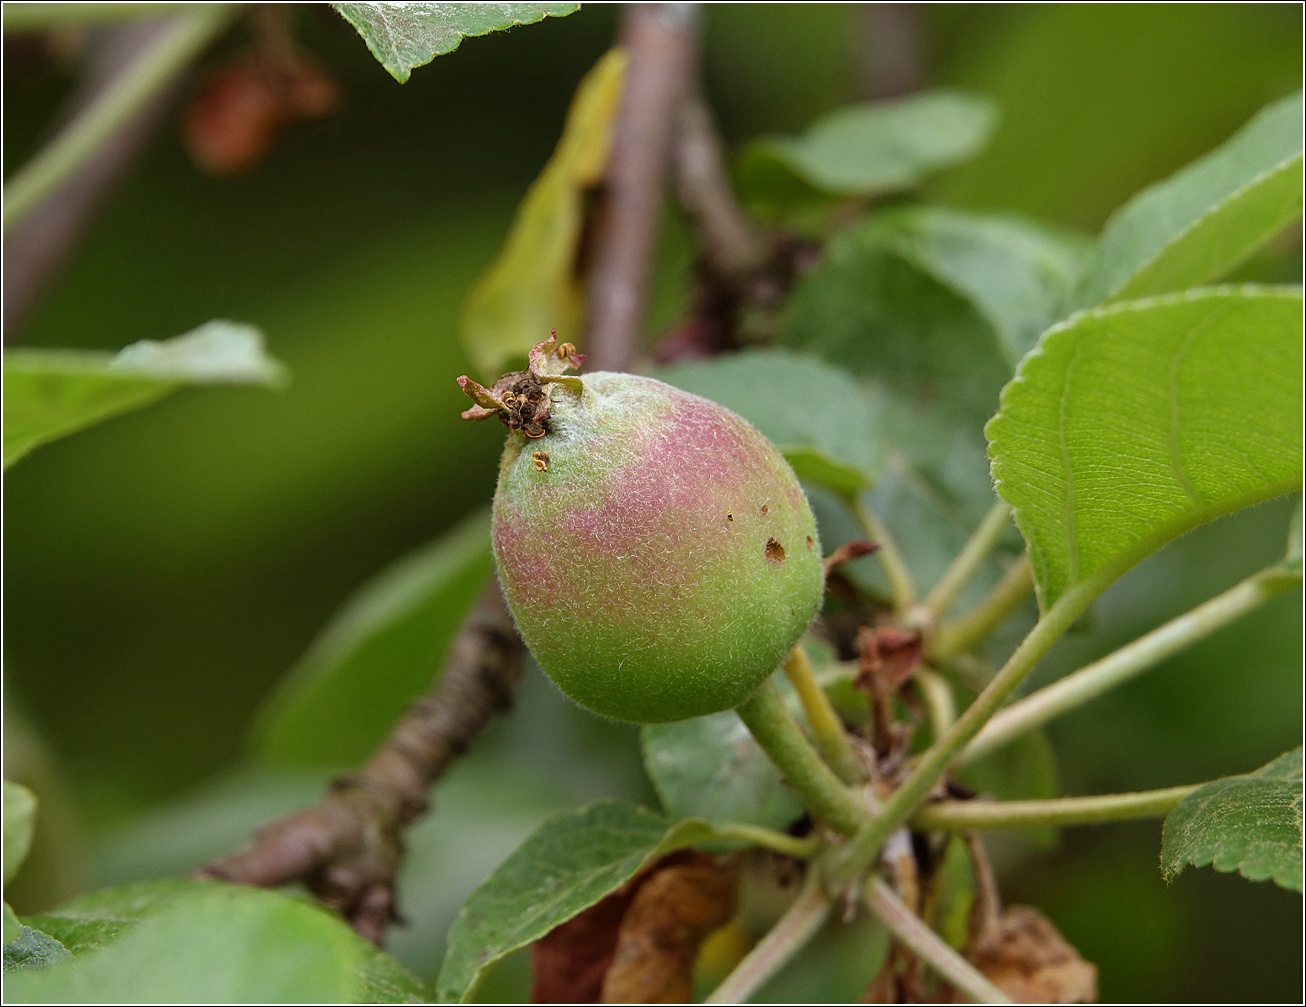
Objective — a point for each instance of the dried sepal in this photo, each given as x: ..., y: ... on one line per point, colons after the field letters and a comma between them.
x: 522, y: 399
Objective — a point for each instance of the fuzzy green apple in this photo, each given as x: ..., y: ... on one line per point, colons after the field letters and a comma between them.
x: 656, y: 551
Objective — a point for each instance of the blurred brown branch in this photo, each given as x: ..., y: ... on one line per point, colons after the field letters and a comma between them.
x: 347, y: 848
x: 660, y: 39
x: 892, y: 60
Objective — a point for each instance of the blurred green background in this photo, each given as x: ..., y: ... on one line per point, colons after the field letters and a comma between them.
x: 164, y: 570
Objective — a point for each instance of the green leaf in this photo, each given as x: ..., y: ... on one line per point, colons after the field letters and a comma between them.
x: 19, y: 821
x: 1019, y: 277
x: 880, y: 147
x: 185, y: 941
x: 712, y: 766
x: 954, y: 893
x: 381, y: 650
x: 53, y: 393
x: 566, y: 866
x: 873, y: 312
x: 30, y: 948
x: 532, y: 286
x: 1132, y: 424
x: 814, y: 413
x: 407, y: 35
x: 1199, y: 224
x: 1250, y: 823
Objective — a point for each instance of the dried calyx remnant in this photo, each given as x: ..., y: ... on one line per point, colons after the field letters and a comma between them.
x: 522, y: 399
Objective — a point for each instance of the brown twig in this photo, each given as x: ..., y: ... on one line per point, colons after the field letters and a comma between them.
x: 732, y: 246
x: 347, y: 848
x: 892, y: 63
x: 742, y: 273
x: 37, y: 246
x: 660, y: 40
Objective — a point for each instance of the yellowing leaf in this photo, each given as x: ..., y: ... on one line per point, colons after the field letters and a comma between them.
x: 533, y: 286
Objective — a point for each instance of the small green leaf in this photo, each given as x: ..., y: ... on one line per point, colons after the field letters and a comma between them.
x: 30, y: 949
x: 566, y: 866
x: 954, y: 893
x: 178, y: 941
x: 814, y: 413
x: 881, y: 147
x: 407, y: 35
x: 1132, y: 424
x: 381, y: 650
x: 872, y: 311
x: 1199, y: 224
x: 1250, y: 823
x: 53, y: 393
x: 12, y: 926
x: 532, y: 286
x: 19, y: 821
x: 712, y: 766
x: 1019, y: 277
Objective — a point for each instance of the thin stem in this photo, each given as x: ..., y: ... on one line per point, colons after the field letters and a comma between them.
x: 827, y: 729
x: 939, y: 701
x: 859, y: 853
x: 962, y: 634
x: 957, y: 815
x: 792, y: 846
x: 792, y: 931
x: 909, y: 929
x: 781, y: 739
x: 22, y: 17
x: 901, y: 585
x: 1147, y: 651
x: 963, y: 568
x: 152, y: 71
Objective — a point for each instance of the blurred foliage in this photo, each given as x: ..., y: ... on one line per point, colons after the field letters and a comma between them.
x: 534, y: 285
x: 166, y: 568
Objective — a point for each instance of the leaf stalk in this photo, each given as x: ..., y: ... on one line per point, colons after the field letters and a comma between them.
x: 156, y: 66
x: 954, y: 816
x: 968, y: 561
x: 909, y: 929
x: 1116, y: 668
x: 764, y: 714
x: 791, y: 932
x: 827, y: 729
x: 901, y: 584
x: 857, y: 856
x: 962, y: 634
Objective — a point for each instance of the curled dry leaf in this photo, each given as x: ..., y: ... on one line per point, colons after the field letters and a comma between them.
x: 569, y: 962
x: 233, y: 122
x: 1024, y: 955
x: 846, y: 553
x: 637, y: 945
x: 888, y: 657
x: 671, y: 915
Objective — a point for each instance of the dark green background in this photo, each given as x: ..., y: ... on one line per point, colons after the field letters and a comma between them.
x: 162, y: 571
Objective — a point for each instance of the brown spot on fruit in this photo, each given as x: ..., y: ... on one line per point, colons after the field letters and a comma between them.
x: 810, y: 543
x: 766, y: 509
x: 541, y: 460
x: 730, y: 517
x: 775, y: 552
